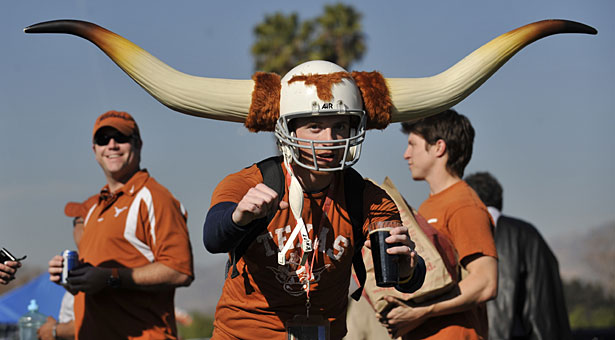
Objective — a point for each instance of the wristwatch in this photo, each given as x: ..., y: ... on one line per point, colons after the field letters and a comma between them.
x: 114, y: 279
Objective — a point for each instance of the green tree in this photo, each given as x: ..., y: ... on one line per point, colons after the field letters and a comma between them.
x: 339, y: 36
x: 283, y: 41
x: 202, y: 326
x: 589, y: 305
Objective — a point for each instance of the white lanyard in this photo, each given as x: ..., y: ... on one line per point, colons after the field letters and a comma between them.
x: 295, y: 200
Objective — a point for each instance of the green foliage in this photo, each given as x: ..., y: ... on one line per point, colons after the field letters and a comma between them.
x: 202, y: 326
x: 283, y: 41
x: 339, y: 38
x: 589, y: 306
x: 588, y: 317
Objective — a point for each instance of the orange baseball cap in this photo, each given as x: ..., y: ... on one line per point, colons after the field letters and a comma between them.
x: 79, y: 209
x: 119, y: 120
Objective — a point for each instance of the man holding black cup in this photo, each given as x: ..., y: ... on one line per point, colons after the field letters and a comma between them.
x: 289, y: 275
x: 439, y: 148
x: 385, y: 264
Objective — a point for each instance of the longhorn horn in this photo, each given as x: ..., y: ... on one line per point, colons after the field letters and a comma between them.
x: 230, y: 100
x: 414, y: 98
x: 222, y: 99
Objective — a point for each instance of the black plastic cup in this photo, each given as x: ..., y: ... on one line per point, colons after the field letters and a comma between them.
x: 385, y: 265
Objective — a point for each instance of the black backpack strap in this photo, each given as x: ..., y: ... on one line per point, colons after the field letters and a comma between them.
x: 354, y: 184
x: 273, y: 177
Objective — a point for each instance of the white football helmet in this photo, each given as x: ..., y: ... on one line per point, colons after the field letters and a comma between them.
x: 300, y: 100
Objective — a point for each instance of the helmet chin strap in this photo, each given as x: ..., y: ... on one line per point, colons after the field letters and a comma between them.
x: 295, y: 200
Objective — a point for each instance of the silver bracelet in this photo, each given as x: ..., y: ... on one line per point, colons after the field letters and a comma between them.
x: 53, y: 331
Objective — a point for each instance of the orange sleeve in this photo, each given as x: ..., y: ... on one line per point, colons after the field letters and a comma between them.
x: 470, y: 230
x: 234, y: 186
x: 171, y: 246
x: 76, y: 209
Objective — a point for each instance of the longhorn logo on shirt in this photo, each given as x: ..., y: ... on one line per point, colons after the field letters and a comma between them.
x: 119, y: 211
x: 292, y: 281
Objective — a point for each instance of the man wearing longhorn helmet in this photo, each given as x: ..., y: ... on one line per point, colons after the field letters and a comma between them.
x: 300, y: 261
x: 319, y: 131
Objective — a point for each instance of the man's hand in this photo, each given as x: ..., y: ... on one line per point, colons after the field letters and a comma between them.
x: 8, y: 270
x: 256, y: 203
x: 55, y: 272
x: 55, y: 268
x: 399, y: 318
x: 405, y: 250
x: 45, y: 332
x: 407, y: 255
x: 88, y: 279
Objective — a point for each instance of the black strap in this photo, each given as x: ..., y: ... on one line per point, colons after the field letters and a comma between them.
x: 354, y: 184
x: 273, y: 177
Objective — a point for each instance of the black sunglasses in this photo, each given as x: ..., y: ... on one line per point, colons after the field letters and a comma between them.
x: 102, y: 139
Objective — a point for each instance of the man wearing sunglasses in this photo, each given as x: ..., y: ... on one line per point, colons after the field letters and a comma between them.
x: 135, y: 249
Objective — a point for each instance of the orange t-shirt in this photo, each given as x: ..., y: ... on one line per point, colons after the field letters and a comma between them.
x: 459, y: 213
x: 140, y: 224
x: 257, y: 303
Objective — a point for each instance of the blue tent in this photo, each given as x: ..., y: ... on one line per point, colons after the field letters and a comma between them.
x: 14, y: 303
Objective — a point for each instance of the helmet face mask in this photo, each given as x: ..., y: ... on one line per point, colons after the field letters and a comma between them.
x: 292, y: 146
x: 318, y: 89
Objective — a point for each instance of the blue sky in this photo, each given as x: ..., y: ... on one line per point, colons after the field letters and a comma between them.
x: 544, y: 121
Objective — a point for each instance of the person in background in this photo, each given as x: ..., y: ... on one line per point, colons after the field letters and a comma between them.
x: 530, y: 303
x: 135, y: 248
x: 64, y: 326
x: 438, y: 150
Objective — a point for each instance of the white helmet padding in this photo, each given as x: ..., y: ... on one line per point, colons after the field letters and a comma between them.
x: 320, y: 88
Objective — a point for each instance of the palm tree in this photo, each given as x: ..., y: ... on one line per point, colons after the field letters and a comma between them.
x: 339, y: 36
x: 282, y: 41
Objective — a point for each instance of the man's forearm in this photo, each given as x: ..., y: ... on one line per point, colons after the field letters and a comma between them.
x: 152, y: 276
x: 65, y: 330
x: 479, y: 286
x: 220, y: 233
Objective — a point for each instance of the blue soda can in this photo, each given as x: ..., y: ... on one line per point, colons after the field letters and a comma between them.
x: 71, y: 260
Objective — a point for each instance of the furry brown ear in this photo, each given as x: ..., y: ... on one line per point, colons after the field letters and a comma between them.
x: 265, y: 106
x: 376, y: 98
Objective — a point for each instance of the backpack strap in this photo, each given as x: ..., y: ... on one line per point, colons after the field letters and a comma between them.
x: 354, y: 184
x: 273, y: 177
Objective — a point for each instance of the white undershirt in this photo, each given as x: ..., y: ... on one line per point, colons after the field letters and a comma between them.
x: 495, y: 214
x: 66, y: 308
